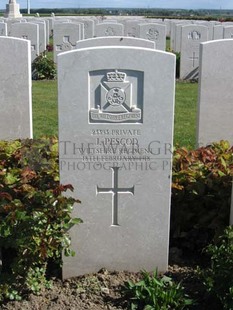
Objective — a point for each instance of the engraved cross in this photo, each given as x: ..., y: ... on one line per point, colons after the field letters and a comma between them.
x: 115, y: 190
x: 193, y: 58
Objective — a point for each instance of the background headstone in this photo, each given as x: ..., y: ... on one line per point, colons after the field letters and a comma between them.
x: 65, y: 36
x: 191, y: 37
x: 15, y: 89
x: 228, y: 32
x: 3, y: 29
x: 108, y: 29
x: 215, y: 113
x: 27, y: 31
x: 218, y: 32
x: 110, y: 41
x: 155, y: 33
x: 115, y: 132
x: 42, y: 35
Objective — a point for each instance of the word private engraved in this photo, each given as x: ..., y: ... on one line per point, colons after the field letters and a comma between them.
x: 116, y: 98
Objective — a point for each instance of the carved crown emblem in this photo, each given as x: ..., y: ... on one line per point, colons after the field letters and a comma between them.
x: 116, y: 76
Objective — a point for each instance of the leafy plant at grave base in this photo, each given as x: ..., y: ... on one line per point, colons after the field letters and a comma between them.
x: 201, y: 194
x: 218, y: 278
x: 154, y: 293
x: 34, y: 215
x: 43, y: 68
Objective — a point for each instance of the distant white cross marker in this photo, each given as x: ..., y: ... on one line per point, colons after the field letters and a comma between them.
x: 194, y: 58
x: 115, y: 190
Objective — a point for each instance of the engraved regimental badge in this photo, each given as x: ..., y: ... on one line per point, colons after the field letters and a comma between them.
x: 115, y: 100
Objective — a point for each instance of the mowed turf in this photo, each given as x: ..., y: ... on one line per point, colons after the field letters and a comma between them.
x: 45, y: 111
x: 45, y: 108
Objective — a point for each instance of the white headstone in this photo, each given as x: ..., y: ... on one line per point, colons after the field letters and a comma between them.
x: 119, y: 41
x: 115, y: 133
x: 108, y: 29
x: 228, y: 32
x: 42, y: 34
x: 177, y: 40
x: 132, y: 28
x: 3, y: 29
x: 155, y: 33
x: 10, y: 22
x: 27, y: 31
x: 15, y: 89
x: 65, y: 36
x: 88, y: 28
x: 218, y: 32
x: 192, y: 36
x: 215, y: 112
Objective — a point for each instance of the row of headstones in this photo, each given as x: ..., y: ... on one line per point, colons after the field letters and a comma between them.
x: 116, y: 132
x: 215, y: 31
x: 186, y: 38
x: 68, y: 31
x: 66, y: 35
x: 35, y: 30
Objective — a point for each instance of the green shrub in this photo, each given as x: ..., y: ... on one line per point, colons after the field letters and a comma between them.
x: 34, y: 215
x: 154, y: 293
x: 218, y: 278
x: 43, y: 68
x: 201, y: 194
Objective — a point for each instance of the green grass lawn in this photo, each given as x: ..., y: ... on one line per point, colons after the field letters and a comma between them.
x: 44, y: 107
x: 45, y: 120
x: 185, y: 114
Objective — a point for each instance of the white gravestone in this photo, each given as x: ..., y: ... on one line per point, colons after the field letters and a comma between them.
x: 65, y: 36
x: 177, y: 41
x: 155, y: 33
x: 81, y: 25
x: 27, y: 31
x: 131, y: 28
x: 108, y: 29
x: 110, y: 41
x: 228, y: 32
x: 3, y: 29
x: 115, y: 133
x: 218, y: 32
x: 42, y: 35
x: 88, y: 28
x: 215, y: 106
x: 15, y: 89
x: 192, y: 36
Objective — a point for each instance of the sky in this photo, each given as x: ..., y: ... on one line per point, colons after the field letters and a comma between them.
x: 183, y: 4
